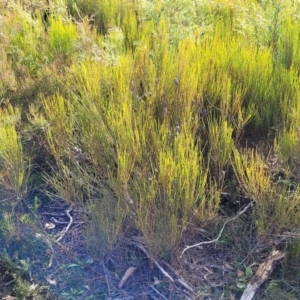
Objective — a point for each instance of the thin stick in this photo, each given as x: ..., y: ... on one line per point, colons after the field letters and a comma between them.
x: 166, y: 274
x: 54, y: 214
x: 65, y: 230
x: 158, y: 292
x: 179, y: 278
x: 63, y: 222
x: 184, y: 284
x: 221, y: 231
x: 163, y: 271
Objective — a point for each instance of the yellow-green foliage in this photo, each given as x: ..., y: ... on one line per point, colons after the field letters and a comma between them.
x: 62, y: 37
x: 288, y: 139
x: 26, y: 45
x: 13, y: 166
x: 107, y: 217
x: 61, y: 124
x: 133, y: 115
x: 221, y: 143
x: 277, y: 206
x: 154, y: 100
x: 7, y: 226
x: 107, y: 13
x: 159, y: 165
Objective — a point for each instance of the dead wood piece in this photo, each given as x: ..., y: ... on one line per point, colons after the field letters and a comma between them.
x: 126, y: 275
x: 262, y: 274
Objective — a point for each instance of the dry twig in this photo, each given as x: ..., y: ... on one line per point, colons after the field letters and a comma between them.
x: 141, y: 247
x: 179, y: 278
x: 65, y: 230
x: 156, y: 291
x: 163, y: 271
x: 221, y: 231
x: 63, y: 222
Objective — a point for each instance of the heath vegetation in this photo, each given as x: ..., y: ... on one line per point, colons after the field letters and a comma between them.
x: 152, y: 123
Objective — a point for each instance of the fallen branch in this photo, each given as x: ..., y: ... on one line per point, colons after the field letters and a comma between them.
x: 263, y: 272
x: 221, y: 231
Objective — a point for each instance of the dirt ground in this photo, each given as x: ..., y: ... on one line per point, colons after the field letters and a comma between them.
x: 65, y: 269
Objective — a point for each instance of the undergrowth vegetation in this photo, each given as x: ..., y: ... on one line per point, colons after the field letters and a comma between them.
x: 147, y: 112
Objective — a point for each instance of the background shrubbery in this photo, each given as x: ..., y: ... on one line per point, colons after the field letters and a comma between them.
x: 146, y: 112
